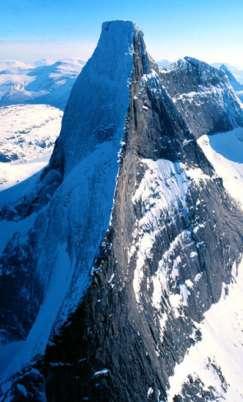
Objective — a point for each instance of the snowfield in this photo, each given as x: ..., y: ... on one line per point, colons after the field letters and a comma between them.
x: 43, y: 82
x: 225, y: 152
x: 27, y: 137
x: 217, y: 359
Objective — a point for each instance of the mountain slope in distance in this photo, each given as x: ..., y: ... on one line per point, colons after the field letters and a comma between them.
x: 43, y: 83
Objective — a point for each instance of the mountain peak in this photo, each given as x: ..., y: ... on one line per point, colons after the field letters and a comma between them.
x: 118, y: 24
x: 102, y: 85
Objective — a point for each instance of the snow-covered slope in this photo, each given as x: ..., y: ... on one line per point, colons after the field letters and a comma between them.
x: 225, y: 152
x: 69, y: 229
x: 164, y: 63
x: 213, y: 365
x: 211, y: 369
x: 27, y: 136
x: 43, y: 84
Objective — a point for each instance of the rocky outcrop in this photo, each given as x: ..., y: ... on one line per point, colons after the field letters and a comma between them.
x: 203, y: 95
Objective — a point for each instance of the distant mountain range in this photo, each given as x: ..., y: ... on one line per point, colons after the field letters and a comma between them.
x: 50, y: 82
x: 40, y: 83
x: 27, y: 137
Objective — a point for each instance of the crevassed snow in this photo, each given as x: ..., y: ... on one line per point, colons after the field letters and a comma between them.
x: 225, y: 152
x: 221, y: 344
x: 27, y: 137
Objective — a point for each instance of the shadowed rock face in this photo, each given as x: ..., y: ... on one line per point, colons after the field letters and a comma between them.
x: 203, y: 95
x: 172, y: 224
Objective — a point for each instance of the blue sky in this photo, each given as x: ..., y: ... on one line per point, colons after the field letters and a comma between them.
x: 208, y: 29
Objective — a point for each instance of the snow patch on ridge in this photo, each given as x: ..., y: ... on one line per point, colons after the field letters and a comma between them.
x: 221, y: 349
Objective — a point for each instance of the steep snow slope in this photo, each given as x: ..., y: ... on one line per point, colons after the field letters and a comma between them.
x: 27, y: 136
x: 214, y: 364
x: 203, y: 95
x: 67, y: 232
x: 43, y: 84
x: 225, y: 152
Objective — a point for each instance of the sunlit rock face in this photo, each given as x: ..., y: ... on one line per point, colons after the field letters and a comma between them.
x: 137, y: 244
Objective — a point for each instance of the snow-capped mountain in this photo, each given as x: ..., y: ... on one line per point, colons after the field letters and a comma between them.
x: 120, y: 259
x: 164, y: 63
x: 41, y: 83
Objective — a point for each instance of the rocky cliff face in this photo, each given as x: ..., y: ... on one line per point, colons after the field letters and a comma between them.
x: 203, y: 95
x: 161, y: 251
